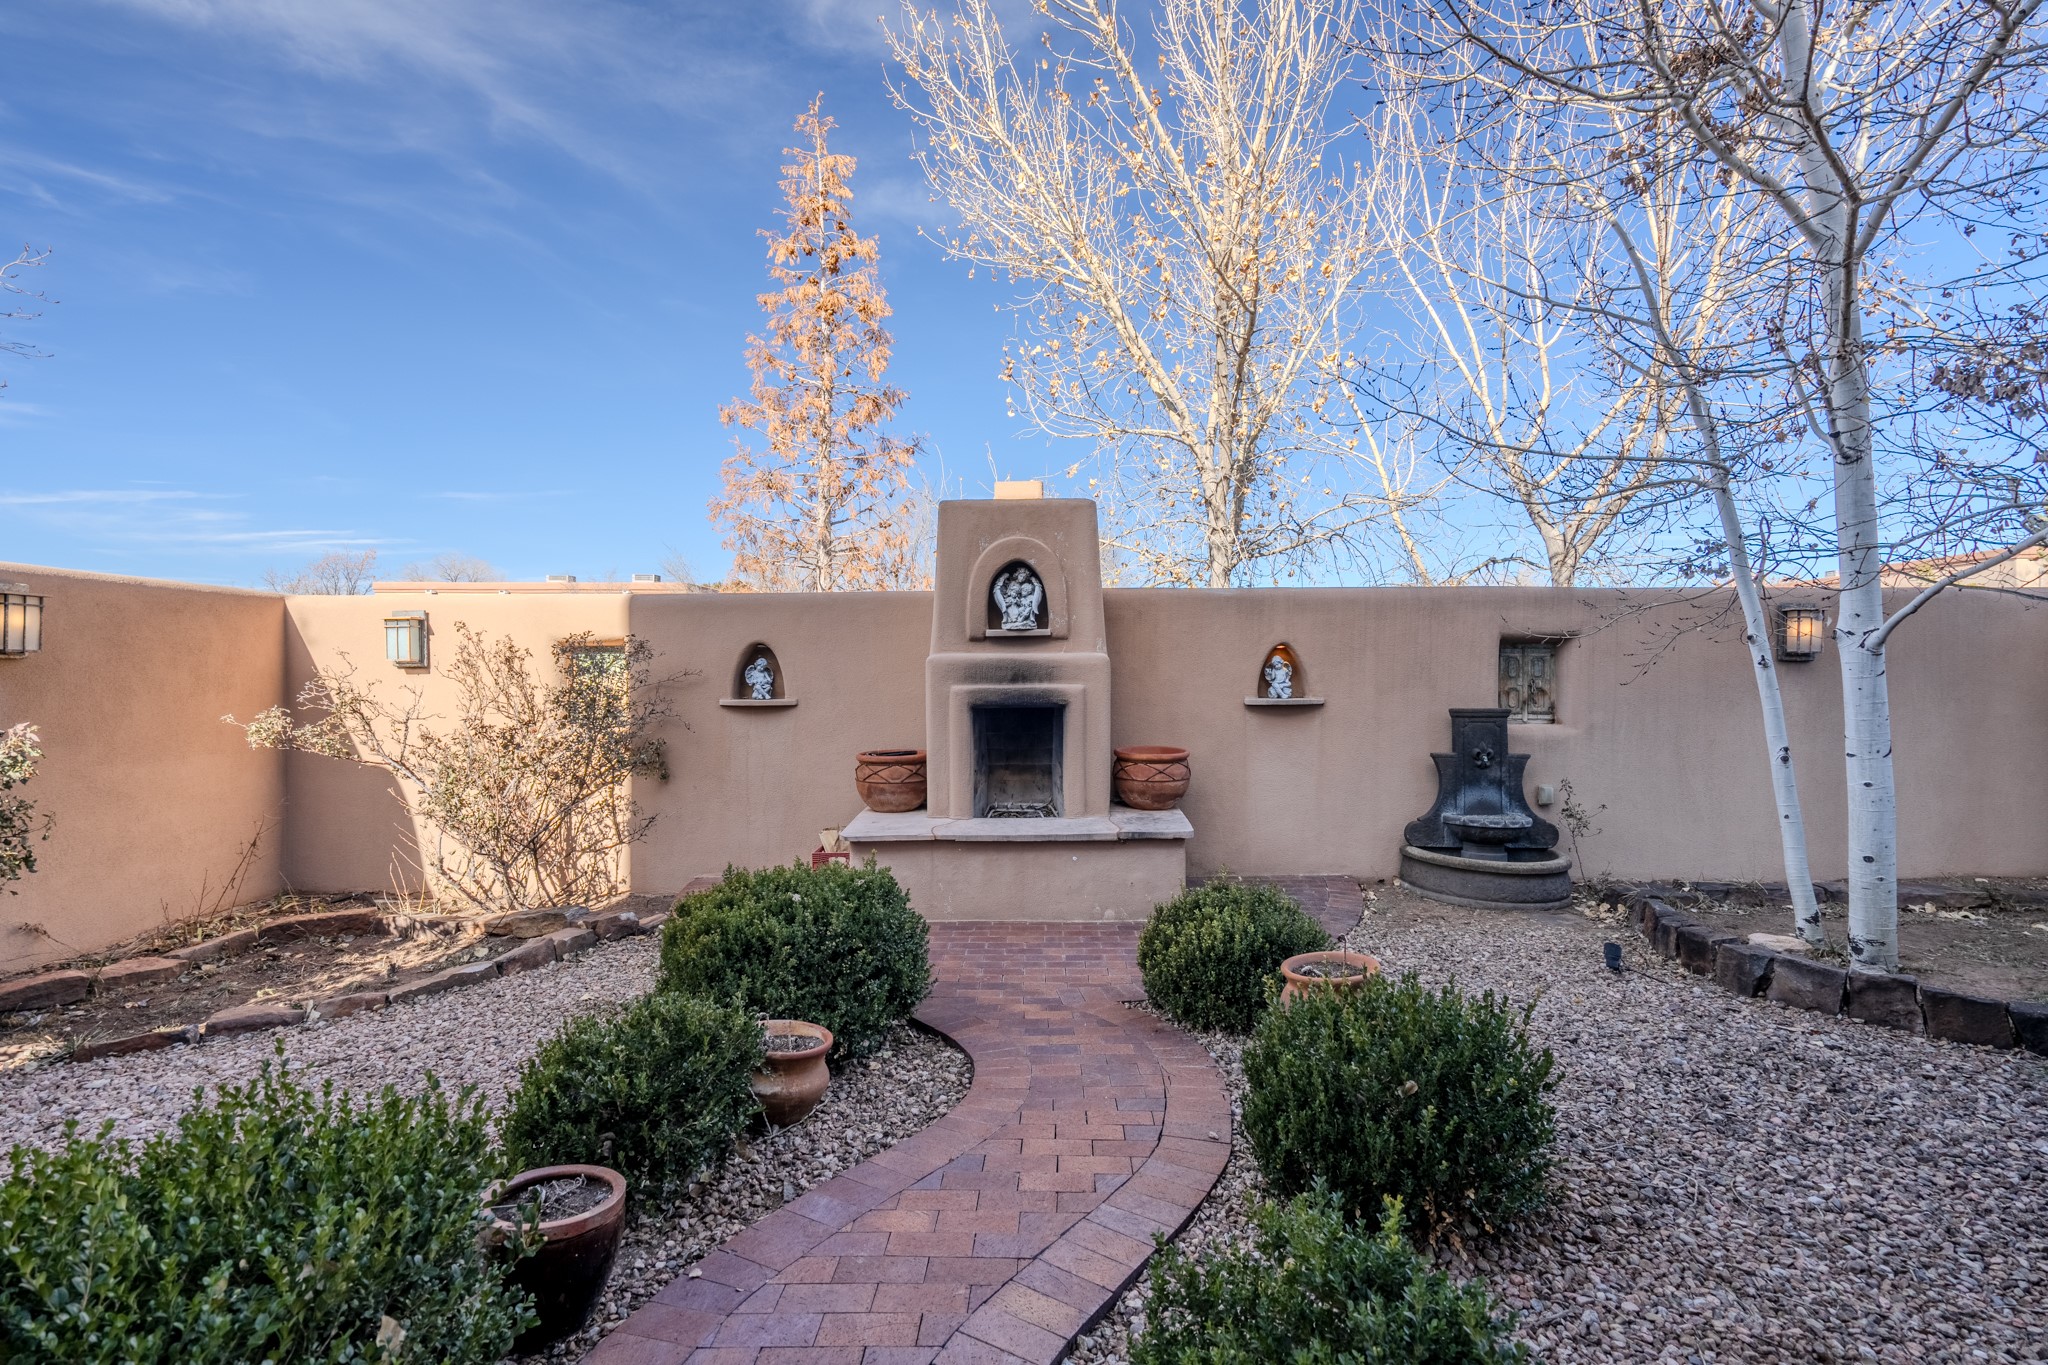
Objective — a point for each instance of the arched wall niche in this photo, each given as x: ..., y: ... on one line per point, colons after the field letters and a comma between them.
x: 983, y: 619
x: 1041, y: 619
x: 743, y: 686
x: 1269, y: 679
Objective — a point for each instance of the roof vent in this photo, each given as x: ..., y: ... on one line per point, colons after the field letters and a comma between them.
x: 646, y: 578
x: 561, y: 578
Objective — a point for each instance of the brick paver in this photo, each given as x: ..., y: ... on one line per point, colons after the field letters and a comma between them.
x: 1002, y: 1230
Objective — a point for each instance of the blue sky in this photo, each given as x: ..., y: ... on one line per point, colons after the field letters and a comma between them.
x: 430, y: 276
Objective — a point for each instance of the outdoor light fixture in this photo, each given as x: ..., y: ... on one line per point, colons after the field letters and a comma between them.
x: 405, y: 638
x: 1800, y: 631
x: 21, y: 620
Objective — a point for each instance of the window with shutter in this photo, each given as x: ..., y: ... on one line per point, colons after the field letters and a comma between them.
x: 1528, y: 681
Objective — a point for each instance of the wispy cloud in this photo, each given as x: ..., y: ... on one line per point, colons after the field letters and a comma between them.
x: 500, y: 495
x: 176, y: 518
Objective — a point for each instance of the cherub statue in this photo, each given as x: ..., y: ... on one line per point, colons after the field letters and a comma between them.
x: 1018, y: 595
x: 761, y: 678
x: 1279, y: 678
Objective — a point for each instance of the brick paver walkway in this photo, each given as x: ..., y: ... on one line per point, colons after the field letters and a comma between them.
x: 997, y: 1234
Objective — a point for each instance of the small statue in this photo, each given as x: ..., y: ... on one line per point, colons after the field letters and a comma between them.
x: 1279, y: 678
x: 1018, y: 595
x: 761, y: 678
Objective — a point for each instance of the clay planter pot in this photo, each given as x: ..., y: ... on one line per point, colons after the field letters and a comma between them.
x: 1331, y: 971
x: 790, y: 1084
x: 1151, y: 777
x: 890, y: 781
x: 568, y: 1272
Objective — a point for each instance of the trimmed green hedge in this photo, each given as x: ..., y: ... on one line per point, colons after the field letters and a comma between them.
x: 1316, y: 1292
x: 270, y: 1224
x: 834, y: 945
x: 656, y: 1090
x: 1393, y: 1091
x: 1208, y: 954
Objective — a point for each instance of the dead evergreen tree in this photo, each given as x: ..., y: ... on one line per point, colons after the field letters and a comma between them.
x: 1177, y: 204
x: 820, y: 503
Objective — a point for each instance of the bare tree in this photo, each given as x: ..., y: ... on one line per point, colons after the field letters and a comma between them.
x: 338, y: 573
x: 1855, y: 135
x: 451, y: 567
x: 10, y: 311
x: 1193, y: 242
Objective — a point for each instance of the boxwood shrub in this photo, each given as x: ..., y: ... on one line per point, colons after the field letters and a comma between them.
x: 269, y: 1224
x: 1208, y: 954
x: 1316, y: 1291
x: 1392, y: 1090
x: 834, y: 945
x: 656, y: 1091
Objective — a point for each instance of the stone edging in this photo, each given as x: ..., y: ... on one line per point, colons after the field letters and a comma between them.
x: 1900, y: 1002
x: 52, y: 989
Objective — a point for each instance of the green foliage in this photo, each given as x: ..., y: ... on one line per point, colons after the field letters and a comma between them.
x: 1208, y: 954
x: 656, y: 1090
x: 1395, y: 1091
x: 272, y: 1224
x: 834, y: 945
x: 1316, y: 1292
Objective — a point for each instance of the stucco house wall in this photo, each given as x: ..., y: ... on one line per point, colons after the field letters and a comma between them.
x: 1657, y: 722
x: 155, y: 800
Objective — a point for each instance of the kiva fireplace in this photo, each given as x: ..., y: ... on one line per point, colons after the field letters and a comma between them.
x: 1018, y: 822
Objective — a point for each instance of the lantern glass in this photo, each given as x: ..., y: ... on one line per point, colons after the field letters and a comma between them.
x: 405, y: 639
x: 1800, y: 632
x: 21, y: 620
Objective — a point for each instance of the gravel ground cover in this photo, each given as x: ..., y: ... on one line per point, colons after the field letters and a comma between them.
x: 1736, y: 1181
x: 478, y: 1037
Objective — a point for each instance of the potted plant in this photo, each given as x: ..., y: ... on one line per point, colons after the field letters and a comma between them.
x: 793, y: 1078
x: 1333, y: 970
x: 572, y: 1216
x: 1151, y: 776
x: 890, y: 781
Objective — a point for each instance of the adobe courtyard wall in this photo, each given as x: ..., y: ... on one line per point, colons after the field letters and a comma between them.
x: 154, y: 799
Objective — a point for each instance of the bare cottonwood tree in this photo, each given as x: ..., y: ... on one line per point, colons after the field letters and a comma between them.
x: 451, y: 567
x: 22, y: 311
x: 822, y: 505
x: 1858, y: 137
x: 338, y: 573
x: 1192, y: 239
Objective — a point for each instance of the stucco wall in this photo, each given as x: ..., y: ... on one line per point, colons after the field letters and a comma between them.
x: 1657, y: 722
x: 154, y: 798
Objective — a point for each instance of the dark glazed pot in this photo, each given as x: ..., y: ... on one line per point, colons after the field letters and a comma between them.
x: 1358, y: 967
x: 568, y: 1273
x: 890, y: 781
x: 790, y: 1084
x: 1150, y: 776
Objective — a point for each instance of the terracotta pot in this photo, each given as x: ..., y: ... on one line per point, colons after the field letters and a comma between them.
x: 568, y: 1273
x: 1151, y: 777
x: 890, y: 781
x: 790, y: 1085
x: 1362, y: 965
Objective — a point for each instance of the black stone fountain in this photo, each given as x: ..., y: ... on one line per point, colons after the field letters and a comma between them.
x: 1480, y: 844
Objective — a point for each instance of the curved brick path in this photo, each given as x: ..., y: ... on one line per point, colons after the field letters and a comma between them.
x: 999, y: 1232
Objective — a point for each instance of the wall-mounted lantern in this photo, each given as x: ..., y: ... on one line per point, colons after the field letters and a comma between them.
x: 1800, y: 632
x: 405, y: 638
x: 21, y: 620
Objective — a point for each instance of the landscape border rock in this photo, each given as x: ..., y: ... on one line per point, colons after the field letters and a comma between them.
x: 49, y: 989
x: 1899, y: 1002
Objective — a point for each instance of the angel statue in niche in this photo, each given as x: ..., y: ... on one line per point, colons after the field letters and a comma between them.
x: 761, y: 678
x: 1018, y: 595
x: 1279, y: 678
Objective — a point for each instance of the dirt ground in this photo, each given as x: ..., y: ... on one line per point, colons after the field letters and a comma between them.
x: 1995, y: 947
x: 286, y: 973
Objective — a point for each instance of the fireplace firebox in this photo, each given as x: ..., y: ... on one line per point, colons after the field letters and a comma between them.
x: 1018, y: 753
